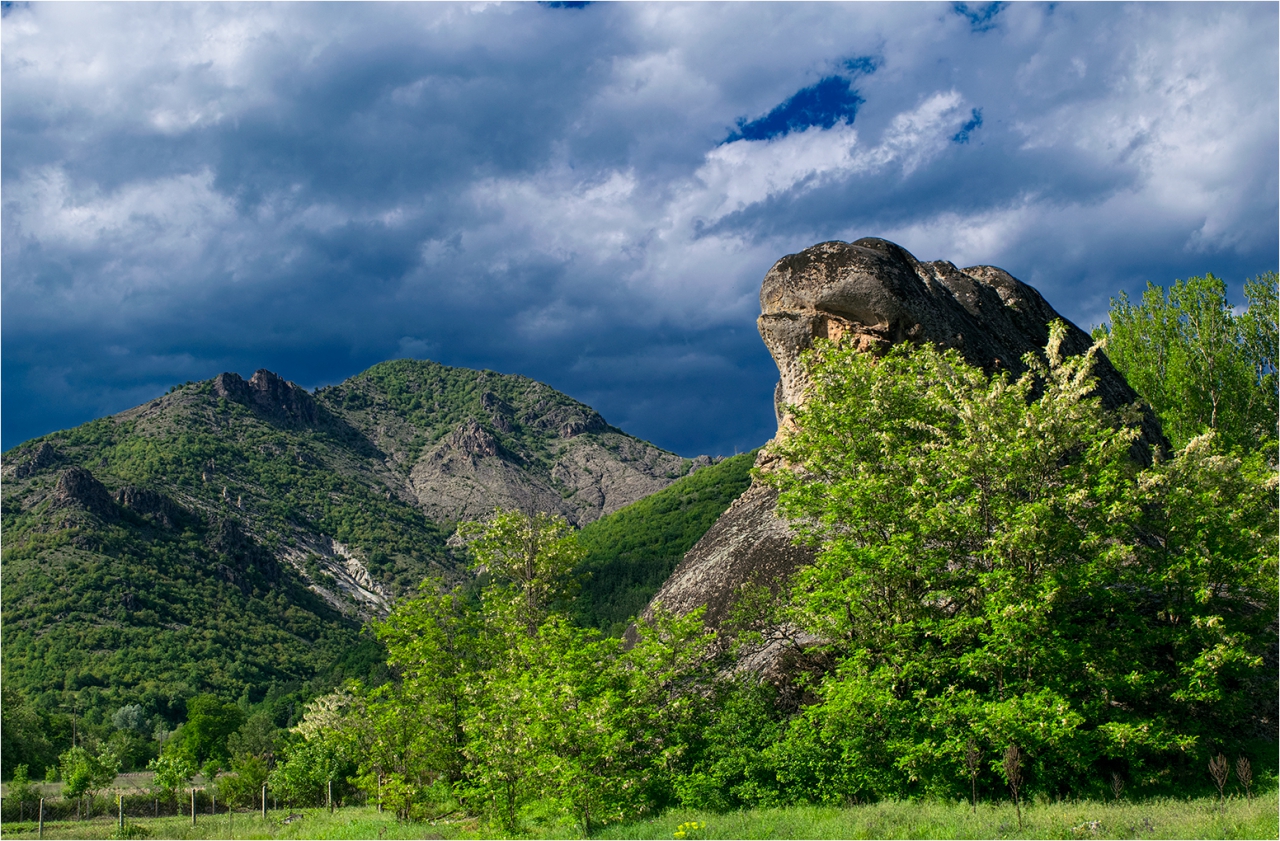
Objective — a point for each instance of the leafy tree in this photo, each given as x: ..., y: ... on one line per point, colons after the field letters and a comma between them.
x: 20, y: 787
x: 173, y: 773
x: 210, y: 723
x: 243, y: 785
x: 530, y: 559
x: 130, y: 717
x: 24, y: 739
x: 84, y: 772
x: 1200, y: 365
x: 329, y: 740
x: 993, y: 568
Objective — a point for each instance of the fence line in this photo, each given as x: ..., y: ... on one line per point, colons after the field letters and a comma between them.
x: 111, y: 804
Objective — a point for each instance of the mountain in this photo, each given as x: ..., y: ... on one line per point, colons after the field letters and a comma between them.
x: 233, y: 535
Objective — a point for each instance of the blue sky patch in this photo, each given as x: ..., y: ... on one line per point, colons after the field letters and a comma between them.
x: 974, y: 123
x: 981, y: 18
x: 828, y: 102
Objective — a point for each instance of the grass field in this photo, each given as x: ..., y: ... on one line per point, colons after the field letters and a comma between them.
x: 1155, y: 818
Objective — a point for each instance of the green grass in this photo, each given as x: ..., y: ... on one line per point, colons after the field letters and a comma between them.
x: 1153, y: 818
x: 1156, y: 818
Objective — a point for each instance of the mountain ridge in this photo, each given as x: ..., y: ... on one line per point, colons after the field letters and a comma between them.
x: 235, y: 534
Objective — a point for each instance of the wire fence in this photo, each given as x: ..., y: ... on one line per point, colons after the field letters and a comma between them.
x: 146, y: 805
x: 112, y: 805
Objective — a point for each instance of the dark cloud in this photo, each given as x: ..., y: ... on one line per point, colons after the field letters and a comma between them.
x: 314, y: 188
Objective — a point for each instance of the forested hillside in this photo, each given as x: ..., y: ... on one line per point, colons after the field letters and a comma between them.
x: 232, y: 537
x: 631, y: 552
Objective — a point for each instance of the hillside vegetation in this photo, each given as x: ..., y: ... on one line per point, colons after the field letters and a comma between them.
x: 631, y: 552
x: 232, y: 537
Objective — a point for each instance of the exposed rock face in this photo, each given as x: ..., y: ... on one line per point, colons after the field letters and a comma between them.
x: 878, y: 294
x: 271, y: 396
x: 469, y: 473
x: 77, y: 488
x: 44, y: 457
x: 747, y: 545
x: 242, y: 559
x: 151, y: 504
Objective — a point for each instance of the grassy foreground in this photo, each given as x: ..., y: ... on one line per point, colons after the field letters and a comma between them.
x: 1155, y: 818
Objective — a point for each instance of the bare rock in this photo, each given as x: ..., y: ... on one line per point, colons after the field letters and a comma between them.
x: 78, y: 489
x: 151, y: 504
x: 876, y: 294
x: 43, y: 458
x: 270, y: 396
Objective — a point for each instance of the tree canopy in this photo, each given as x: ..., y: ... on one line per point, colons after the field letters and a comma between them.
x: 1201, y: 365
x: 993, y: 569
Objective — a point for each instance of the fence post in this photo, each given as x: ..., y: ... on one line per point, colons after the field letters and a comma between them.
x: 40, y: 829
x: 193, y: 807
x: 330, y: 787
x: 120, y: 809
x: 213, y: 803
x: 264, y: 802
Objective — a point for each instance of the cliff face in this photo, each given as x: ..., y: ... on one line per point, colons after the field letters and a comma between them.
x: 877, y: 294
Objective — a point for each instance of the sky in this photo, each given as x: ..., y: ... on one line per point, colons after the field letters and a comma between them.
x: 587, y: 194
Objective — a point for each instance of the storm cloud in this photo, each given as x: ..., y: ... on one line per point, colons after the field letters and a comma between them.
x: 588, y: 194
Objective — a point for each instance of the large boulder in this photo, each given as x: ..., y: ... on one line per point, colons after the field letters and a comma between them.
x: 877, y: 294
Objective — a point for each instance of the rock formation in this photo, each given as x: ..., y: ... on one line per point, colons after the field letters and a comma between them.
x: 44, y: 457
x: 878, y: 294
x: 270, y: 396
x: 79, y: 490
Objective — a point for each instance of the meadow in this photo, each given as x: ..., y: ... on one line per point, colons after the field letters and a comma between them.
x: 1148, y: 818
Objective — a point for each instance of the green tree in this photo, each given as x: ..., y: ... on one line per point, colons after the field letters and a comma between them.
x: 530, y: 559
x: 993, y: 568
x: 243, y: 786
x: 173, y: 773
x: 20, y: 787
x: 84, y: 772
x: 1198, y: 363
x: 210, y: 723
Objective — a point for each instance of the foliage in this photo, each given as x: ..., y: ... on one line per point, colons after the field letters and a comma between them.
x: 24, y: 738
x: 529, y: 560
x: 244, y: 784
x: 1198, y: 363
x: 84, y: 772
x: 20, y: 787
x: 173, y: 772
x: 506, y: 704
x: 993, y: 568
x: 210, y: 723
x: 631, y: 552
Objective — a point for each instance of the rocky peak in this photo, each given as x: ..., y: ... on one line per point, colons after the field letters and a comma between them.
x: 878, y: 294
x: 149, y: 503
x: 270, y: 396
x: 78, y: 488
x: 473, y: 439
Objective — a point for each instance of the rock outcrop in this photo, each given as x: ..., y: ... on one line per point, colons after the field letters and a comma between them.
x: 150, y: 504
x: 876, y: 294
x: 43, y: 458
x: 78, y: 488
x: 270, y: 396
